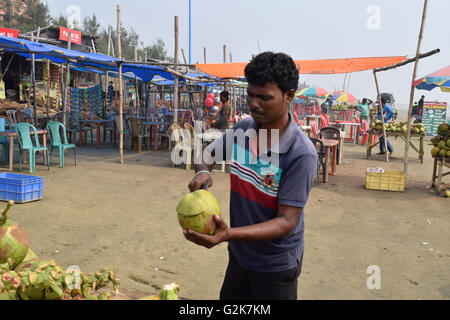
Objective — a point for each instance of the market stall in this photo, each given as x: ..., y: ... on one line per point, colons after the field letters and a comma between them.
x: 397, y: 130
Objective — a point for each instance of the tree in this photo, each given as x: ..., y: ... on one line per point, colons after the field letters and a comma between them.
x: 91, y: 25
x: 156, y: 51
x: 61, y: 21
x: 10, y: 8
x: 36, y: 15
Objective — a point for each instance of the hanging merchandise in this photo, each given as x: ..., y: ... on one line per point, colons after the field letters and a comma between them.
x: 110, y: 95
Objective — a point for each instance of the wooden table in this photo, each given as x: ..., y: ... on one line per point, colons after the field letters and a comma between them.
x: 438, y: 174
x: 98, y: 122
x: 153, y: 132
x: 11, y: 134
x: 419, y: 150
x: 210, y: 136
x: 330, y: 145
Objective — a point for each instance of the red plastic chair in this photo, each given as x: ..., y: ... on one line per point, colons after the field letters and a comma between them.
x: 314, y: 129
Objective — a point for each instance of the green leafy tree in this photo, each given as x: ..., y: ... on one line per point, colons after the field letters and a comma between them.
x: 61, y: 21
x: 36, y: 14
x: 156, y: 51
x: 10, y: 8
x: 91, y: 25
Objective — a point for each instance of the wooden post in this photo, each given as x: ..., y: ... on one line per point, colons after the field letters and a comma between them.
x: 119, y: 48
x: 138, y: 105
x: 231, y: 58
x: 204, y: 55
x: 33, y: 79
x: 48, y: 86
x: 382, y: 115
x: 224, y: 54
x: 175, y: 88
x: 411, y: 96
x: 66, y: 83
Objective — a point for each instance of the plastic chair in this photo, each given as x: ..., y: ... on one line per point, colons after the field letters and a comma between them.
x: 26, y: 144
x: 320, y: 159
x: 22, y: 116
x: 12, y: 116
x: 55, y: 129
x: 331, y: 133
x: 73, y: 127
x: 137, y: 133
x: 4, y: 140
x: 314, y: 129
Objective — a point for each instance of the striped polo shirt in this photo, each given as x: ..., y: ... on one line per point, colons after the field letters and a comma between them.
x: 282, y: 175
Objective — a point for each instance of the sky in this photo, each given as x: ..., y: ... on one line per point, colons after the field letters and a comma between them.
x: 320, y: 29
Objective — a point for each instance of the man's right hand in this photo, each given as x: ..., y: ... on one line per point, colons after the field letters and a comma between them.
x: 199, y: 181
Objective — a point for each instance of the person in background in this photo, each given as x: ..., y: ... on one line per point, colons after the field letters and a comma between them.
x: 420, y: 108
x: 131, y: 104
x: 223, y: 116
x: 388, y: 114
x: 330, y: 103
x: 363, y: 107
x: 324, y: 106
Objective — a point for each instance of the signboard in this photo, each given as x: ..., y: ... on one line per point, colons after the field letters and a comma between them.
x: 9, y: 33
x: 434, y: 114
x: 75, y: 36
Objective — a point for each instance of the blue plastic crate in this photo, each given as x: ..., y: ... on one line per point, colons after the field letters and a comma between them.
x: 21, y: 188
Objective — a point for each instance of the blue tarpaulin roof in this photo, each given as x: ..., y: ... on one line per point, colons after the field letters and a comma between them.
x: 87, y: 61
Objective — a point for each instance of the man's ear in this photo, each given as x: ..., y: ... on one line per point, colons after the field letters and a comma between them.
x: 290, y: 96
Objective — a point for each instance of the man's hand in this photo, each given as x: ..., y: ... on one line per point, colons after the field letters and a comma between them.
x: 199, y: 181
x: 207, y: 241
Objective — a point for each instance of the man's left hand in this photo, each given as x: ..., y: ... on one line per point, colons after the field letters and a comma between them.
x: 206, y: 240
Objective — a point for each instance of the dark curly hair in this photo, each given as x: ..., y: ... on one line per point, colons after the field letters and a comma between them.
x: 273, y: 67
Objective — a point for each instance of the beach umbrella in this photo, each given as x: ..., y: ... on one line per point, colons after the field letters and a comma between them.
x: 436, y: 79
x: 312, y: 92
x: 341, y: 96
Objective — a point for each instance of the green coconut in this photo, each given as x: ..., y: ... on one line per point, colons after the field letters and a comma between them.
x: 196, y: 211
x: 13, y: 239
x: 443, y: 129
x: 435, y: 152
x: 43, y: 279
x: 442, y: 153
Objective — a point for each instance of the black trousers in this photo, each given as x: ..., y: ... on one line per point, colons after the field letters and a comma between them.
x: 242, y: 284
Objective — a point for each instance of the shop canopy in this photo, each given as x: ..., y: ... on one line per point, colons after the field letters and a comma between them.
x: 327, y: 66
x: 89, y: 62
x: 440, y: 78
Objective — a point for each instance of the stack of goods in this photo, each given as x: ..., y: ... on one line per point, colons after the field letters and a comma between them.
x: 110, y: 95
x: 441, y: 142
x: 398, y: 127
x: 91, y: 97
x: 339, y: 107
x: 95, y: 99
x: 76, y: 100
x: 23, y: 276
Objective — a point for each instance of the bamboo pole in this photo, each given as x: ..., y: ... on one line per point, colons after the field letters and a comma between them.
x: 175, y: 88
x: 33, y: 79
x: 224, y: 54
x: 138, y: 105
x: 66, y: 82
x: 231, y: 58
x: 119, y: 49
x: 48, y: 86
x: 382, y: 115
x: 204, y: 55
x: 411, y: 96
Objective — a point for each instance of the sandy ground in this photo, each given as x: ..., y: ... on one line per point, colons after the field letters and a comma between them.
x: 102, y: 214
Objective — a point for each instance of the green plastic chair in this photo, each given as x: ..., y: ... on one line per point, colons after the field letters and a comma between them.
x: 26, y: 144
x: 55, y: 128
x: 4, y: 142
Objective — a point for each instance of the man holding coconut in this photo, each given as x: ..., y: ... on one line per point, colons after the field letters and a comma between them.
x: 273, y: 164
